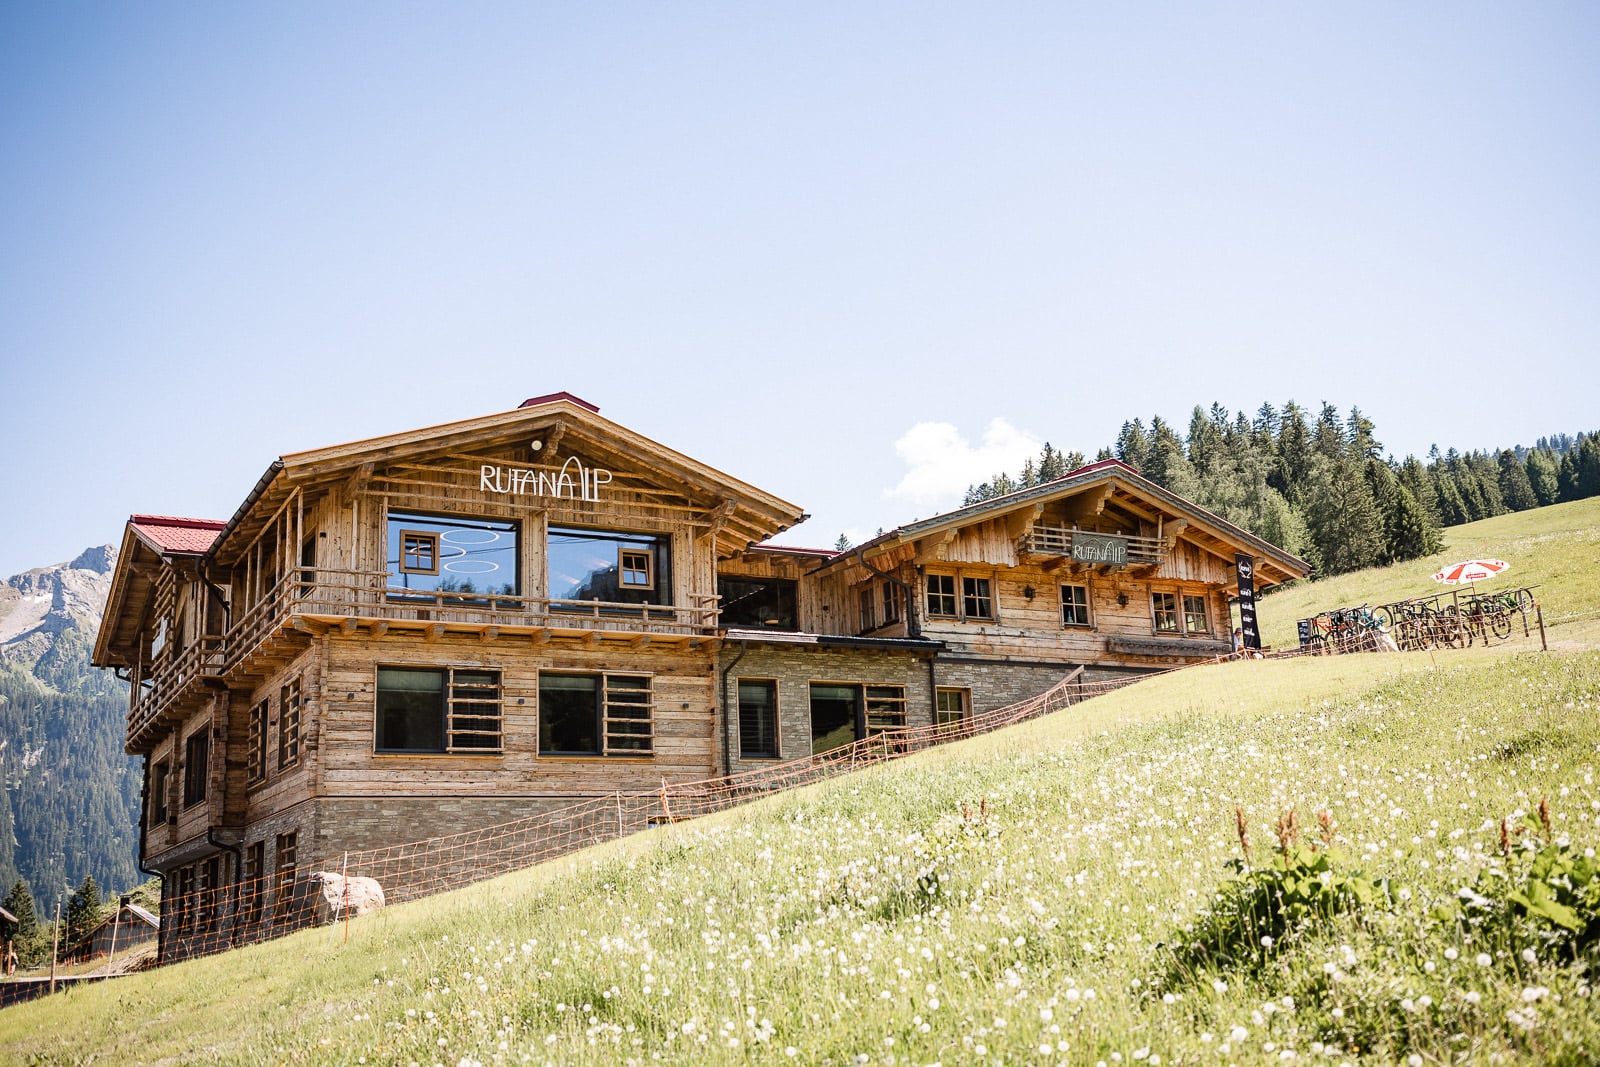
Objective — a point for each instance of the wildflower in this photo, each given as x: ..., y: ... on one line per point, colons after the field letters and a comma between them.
x: 1484, y: 959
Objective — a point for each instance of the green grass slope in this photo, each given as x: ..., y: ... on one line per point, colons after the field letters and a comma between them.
x: 1556, y: 548
x: 1033, y: 896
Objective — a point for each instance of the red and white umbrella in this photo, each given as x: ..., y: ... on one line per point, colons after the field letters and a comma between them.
x: 1472, y: 570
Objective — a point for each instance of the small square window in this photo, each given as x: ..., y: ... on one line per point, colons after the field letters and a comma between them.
x: 977, y: 602
x: 950, y: 707
x: 635, y: 567
x: 1074, y: 605
x: 1194, y: 615
x: 942, y: 595
x: 1165, y: 606
x: 419, y: 552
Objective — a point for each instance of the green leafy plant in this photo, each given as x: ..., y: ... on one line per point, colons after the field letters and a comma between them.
x: 1545, y: 895
x: 1263, y: 909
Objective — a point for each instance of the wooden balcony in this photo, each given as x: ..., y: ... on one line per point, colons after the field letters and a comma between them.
x: 1056, y: 541
x: 324, y: 597
x: 172, y: 689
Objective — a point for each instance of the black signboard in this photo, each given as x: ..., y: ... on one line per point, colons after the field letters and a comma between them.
x: 1246, y: 566
x: 1305, y: 632
x: 1099, y: 548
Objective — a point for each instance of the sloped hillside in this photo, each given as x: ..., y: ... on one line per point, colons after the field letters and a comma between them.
x: 1065, y: 891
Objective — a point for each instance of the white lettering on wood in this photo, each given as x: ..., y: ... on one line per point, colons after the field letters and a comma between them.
x: 573, y: 481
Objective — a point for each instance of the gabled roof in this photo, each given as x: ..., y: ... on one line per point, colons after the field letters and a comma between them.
x: 148, y: 543
x: 748, y: 514
x: 1111, y: 477
x: 176, y: 536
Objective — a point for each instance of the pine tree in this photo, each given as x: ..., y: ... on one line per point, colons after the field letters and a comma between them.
x: 1516, y: 491
x: 842, y: 544
x: 83, y: 910
x: 1588, y: 465
x: 19, y: 902
x: 1414, y: 476
x: 1052, y: 464
x: 1406, y: 527
x: 1133, y: 447
x: 1542, y: 467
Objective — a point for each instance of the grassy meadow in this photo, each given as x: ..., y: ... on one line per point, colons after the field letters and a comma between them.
x: 1556, y: 549
x: 1073, y: 890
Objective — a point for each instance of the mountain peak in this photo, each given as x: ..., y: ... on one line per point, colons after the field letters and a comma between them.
x: 100, y: 559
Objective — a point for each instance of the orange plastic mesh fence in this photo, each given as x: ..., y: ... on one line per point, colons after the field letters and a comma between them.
x: 199, y: 919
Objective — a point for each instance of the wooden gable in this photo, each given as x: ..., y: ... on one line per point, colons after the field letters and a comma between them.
x: 559, y: 459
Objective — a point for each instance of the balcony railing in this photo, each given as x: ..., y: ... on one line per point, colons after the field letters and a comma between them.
x: 344, y: 594
x: 170, y: 679
x: 1057, y: 541
x: 324, y: 594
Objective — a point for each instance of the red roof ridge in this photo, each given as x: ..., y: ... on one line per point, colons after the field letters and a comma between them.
x: 551, y: 398
x: 176, y: 520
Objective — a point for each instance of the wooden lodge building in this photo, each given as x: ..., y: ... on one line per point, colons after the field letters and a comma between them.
x: 458, y: 626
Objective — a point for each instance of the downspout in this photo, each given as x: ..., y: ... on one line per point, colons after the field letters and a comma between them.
x: 238, y: 880
x: 727, y: 721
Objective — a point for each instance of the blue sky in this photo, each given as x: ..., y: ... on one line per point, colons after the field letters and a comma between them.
x: 860, y: 255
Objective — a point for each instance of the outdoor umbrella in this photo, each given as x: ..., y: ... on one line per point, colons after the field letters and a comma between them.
x: 1472, y: 570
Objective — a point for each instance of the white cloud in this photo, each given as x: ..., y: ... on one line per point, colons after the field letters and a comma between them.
x: 943, y: 463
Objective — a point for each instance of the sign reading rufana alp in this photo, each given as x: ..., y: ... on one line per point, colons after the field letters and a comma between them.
x: 1099, y: 548
x: 571, y: 481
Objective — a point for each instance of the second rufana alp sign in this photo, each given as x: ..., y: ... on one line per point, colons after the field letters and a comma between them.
x: 1099, y: 548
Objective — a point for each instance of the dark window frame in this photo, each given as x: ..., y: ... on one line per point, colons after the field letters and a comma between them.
x: 869, y: 618
x: 397, y: 528
x: 771, y: 728
x: 160, y: 787
x: 463, y: 707
x: 290, y: 706
x: 976, y: 604
x: 196, y: 767
x: 260, y: 727
x: 623, y: 706
x: 894, y: 598
x: 1195, y: 606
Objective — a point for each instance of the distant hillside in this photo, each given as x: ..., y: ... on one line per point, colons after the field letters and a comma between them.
x: 70, y: 802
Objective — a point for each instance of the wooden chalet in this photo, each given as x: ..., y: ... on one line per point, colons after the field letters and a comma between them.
x: 439, y: 630
x: 1098, y: 573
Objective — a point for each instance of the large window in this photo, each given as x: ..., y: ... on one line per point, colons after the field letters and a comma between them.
x: 612, y: 567
x: 445, y: 554
x: 1074, y: 605
x: 594, y: 715
x: 835, y: 715
x: 1165, y: 606
x: 942, y: 595
x: 195, y: 752
x: 453, y: 709
x: 758, y: 719
x: 757, y: 603
x: 841, y: 714
x: 1194, y: 615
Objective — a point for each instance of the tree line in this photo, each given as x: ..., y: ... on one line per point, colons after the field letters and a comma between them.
x: 1321, y: 487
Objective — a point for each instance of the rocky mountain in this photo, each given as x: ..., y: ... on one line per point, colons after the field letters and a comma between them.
x: 70, y: 799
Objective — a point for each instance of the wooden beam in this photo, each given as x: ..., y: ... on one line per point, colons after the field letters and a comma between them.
x: 642, y: 641
x: 931, y: 549
x: 434, y: 632
x: 539, y: 637
x: 592, y: 639
x: 1020, y: 523
x: 380, y: 628
x: 489, y: 633
x: 349, y: 626
x: 1174, y: 528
